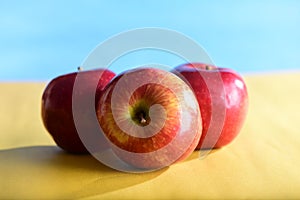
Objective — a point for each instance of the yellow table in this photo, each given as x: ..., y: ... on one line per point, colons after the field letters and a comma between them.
x: 263, y: 162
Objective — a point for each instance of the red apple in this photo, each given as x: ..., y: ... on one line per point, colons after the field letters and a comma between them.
x: 57, y: 112
x: 151, y: 118
x: 233, y: 98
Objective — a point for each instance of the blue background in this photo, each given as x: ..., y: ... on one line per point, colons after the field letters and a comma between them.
x: 43, y: 39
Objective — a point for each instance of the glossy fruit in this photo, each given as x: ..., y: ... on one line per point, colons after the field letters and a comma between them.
x: 231, y: 96
x: 57, y: 113
x: 151, y: 117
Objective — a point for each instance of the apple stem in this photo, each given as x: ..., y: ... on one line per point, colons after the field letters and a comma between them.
x: 79, y: 68
x: 143, y: 120
x: 207, y: 67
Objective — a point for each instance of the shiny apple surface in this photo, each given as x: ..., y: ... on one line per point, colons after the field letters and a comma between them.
x: 57, y: 110
x: 150, y: 117
x: 228, y: 93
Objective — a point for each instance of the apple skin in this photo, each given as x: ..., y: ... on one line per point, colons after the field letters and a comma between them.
x: 57, y: 113
x: 165, y: 101
x: 235, y: 101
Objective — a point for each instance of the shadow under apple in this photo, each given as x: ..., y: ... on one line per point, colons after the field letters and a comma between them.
x: 48, y: 172
x: 201, y: 154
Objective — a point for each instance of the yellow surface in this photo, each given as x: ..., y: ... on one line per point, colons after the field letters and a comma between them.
x: 263, y: 162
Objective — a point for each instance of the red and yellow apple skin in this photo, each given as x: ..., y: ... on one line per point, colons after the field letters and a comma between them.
x: 57, y: 113
x: 235, y: 101
x: 151, y: 118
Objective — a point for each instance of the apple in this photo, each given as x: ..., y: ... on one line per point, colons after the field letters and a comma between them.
x: 57, y: 113
x: 233, y: 98
x: 150, y: 117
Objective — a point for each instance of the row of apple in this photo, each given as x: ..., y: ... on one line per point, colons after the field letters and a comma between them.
x: 141, y: 111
